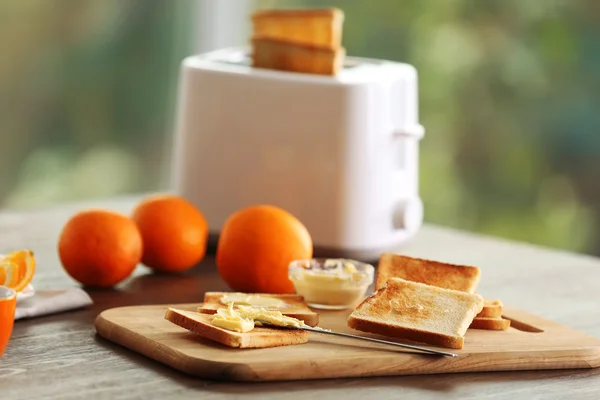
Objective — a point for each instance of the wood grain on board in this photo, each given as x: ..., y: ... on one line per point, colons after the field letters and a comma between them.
x: 533, y: 343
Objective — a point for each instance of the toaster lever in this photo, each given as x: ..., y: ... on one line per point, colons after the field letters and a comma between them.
x: 408, y: 214
x: 415, y: 131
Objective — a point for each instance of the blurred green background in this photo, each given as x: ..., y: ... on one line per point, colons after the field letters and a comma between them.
x: 509, y: 96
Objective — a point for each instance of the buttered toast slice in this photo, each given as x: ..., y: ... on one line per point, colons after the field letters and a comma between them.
x: 290, y: 305
x: 448, y: 276
x: 288, y: 56
x: 491, y: 309
x: 256, y: 338
x: 417, y: 312
x: 316, y: 27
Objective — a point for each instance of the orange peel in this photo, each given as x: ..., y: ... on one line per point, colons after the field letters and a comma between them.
x: 17, y: 269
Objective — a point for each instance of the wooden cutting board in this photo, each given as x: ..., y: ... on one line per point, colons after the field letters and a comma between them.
x: 531, y: 343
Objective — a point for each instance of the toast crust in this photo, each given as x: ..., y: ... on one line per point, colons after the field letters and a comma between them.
x: 416, y: 335
x: 492, y: 324
x: 295, y: 306
x: 295, y: 13
x: 319, y: 27
x: 298, y: 40
x: 256, y: 338
x: 449, y: 276
x: 491, y: 309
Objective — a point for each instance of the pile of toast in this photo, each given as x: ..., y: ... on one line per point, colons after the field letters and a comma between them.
x: 307, y: 41
x: 426, y: 301
x: 419, y: 300
x: 456, y: 277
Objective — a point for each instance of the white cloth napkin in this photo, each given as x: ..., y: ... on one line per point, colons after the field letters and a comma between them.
x: 46, y: 302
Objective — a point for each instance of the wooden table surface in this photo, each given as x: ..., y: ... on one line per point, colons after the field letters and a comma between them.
x: 61, y: 357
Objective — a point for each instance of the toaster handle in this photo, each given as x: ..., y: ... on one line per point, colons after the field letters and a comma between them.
x: 408, y: 210
x: 405, y: 140
x: 408, y: 214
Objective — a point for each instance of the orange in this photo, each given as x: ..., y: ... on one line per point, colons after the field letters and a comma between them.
x: 99, y: 247
x: 17, y: 269
x: 256, y: 246
x: 8, y: 302
x: 174, y: 233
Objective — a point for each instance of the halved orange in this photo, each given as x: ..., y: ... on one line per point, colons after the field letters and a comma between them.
x: 17, y: 269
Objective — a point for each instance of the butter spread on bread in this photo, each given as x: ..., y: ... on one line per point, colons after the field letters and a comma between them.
x: 247, y: 299
x: 230, y: 319
x: 243, y: 318
x: 291, y: 305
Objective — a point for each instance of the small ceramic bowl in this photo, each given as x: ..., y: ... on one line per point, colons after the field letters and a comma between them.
x: 331, y: 283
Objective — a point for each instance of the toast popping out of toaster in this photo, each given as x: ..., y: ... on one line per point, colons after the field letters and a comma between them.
x: 306, y: 41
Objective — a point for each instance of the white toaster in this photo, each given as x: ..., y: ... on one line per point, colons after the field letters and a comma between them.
x: 340, y: 153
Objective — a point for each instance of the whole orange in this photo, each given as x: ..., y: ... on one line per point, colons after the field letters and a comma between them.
x: 174, y: 233
x: 255, y: 247
x: 99, y: 247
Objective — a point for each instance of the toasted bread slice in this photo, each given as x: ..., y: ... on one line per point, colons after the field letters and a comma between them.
x: 418, y: 312
x: 316, y: 27
x: 448, y: 276
x: 288, y: 56
x: 494, y: 324
x: 294, y: 306
x: 491, y: 309
x: 256, y: 338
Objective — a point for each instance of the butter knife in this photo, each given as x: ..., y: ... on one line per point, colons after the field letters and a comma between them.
x: 368, y: 339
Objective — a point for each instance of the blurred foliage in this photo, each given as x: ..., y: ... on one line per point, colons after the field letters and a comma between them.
x: 509, y: 95
x: 89, y: 88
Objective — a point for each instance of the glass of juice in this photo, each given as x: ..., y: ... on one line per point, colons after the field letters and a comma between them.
x: 8, y: 304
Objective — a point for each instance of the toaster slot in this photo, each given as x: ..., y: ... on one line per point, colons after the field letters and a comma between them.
x: 244, y: 58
